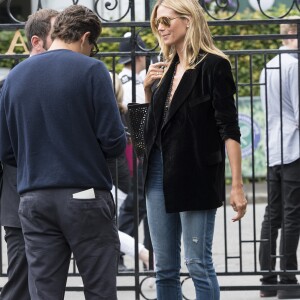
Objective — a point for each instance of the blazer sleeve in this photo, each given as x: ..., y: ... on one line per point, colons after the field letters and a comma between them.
x: 223, y: 101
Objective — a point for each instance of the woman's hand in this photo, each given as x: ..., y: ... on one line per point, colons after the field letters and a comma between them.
x: 155, y: 72
x: 238, y: 202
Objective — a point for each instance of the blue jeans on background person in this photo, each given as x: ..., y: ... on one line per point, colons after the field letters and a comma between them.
x: 197, y: 229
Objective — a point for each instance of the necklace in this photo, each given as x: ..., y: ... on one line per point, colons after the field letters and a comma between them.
x: 168, y: 98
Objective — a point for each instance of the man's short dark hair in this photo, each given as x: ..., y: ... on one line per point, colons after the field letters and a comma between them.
x: 39, y: 24
x: 74, y: 21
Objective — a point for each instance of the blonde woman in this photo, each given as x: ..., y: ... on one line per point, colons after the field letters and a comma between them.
x: 191, y: 118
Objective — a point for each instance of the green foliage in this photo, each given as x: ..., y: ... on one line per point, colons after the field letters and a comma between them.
x: 144, y: 33
x: 249, y: 66
x: 111, y: 47
x: 6, y: 38
x: 245, y: 63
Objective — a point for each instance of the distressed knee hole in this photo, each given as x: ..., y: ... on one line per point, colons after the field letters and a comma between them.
x: 195, y: 239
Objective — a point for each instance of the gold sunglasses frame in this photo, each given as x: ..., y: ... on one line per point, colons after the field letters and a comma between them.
x: 166, y: 22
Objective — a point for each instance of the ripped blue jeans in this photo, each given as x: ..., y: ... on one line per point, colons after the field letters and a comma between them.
x: 166, y: 229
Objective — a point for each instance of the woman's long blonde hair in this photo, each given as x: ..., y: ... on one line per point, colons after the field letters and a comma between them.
x: 198, y: 36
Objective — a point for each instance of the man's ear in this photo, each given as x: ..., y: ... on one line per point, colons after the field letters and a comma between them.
x: 85, y: 37
x: 36, y: 43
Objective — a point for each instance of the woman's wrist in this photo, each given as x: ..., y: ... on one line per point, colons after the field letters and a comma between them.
x: 147, y: 89
x: 237, y: 185
x: 148, y: 95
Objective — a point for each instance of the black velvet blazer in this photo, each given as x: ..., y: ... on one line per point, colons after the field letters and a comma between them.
x: 202, y: 115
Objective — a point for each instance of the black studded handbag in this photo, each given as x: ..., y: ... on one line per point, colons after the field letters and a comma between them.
x: 137, y: 114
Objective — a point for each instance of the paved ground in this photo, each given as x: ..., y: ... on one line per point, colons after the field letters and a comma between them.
x: 248, y: 230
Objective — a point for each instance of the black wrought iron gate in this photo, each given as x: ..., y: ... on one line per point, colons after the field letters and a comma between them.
x: 250, y: 44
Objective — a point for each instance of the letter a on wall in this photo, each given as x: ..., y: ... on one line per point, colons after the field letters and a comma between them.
x: 14, y: 43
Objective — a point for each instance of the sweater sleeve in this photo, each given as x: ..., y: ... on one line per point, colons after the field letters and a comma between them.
x: 6, y: 151
x: 224, y: 103
x: 108, y: 124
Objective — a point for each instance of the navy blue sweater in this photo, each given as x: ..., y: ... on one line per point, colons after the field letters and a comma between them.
x: 59, y: 122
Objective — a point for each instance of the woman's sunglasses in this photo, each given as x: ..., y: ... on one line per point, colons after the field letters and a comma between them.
x: 165, y: 21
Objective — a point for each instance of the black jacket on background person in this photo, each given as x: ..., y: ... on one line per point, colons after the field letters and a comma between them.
x: 202, y: 115
x: 10, y: 198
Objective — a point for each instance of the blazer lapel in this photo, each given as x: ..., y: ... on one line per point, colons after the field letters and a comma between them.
x: 183, y: 90
x: 161, y: 93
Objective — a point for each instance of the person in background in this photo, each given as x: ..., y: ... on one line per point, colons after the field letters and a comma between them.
x: 121, y: 177
x: 126, y: 214
x: 119, y: 168
x: 127, y: 246
x: 38, y: 29
x: 191, y: 119
x: 59, y: 139
x: 279, y: 92
x: 126, y: 74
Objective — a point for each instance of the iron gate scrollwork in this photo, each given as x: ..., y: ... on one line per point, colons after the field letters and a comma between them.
x: 236, y: 249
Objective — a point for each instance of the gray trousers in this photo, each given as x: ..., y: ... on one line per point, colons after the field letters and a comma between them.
x: 17, y: 272
x: 54, y: 225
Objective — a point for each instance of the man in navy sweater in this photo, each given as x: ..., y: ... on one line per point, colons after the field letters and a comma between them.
x: 59, y: 122
x: 38, y: 29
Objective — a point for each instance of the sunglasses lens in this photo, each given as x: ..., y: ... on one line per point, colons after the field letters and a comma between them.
x: 165, y: 21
